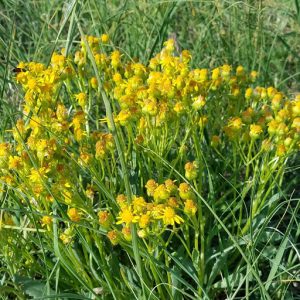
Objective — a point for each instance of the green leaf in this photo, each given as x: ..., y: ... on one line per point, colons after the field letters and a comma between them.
x: 276, y: 262
x: 196, y: 259
x: 33, y: 288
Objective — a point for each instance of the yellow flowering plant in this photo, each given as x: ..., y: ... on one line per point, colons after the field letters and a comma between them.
x: 135, y: 168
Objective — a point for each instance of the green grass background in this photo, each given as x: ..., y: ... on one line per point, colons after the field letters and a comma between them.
x: 261, y: 35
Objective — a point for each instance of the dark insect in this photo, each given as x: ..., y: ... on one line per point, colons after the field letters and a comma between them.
x: 18, y: 70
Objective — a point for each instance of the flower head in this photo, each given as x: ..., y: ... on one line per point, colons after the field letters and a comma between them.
x: 170, y: 217
x: 126, y: 216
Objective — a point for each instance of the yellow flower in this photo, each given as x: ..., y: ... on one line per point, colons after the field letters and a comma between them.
x: 253, y: 75
x: 199, y: 102
x: 263, y: 93
x: 78, y: 119
x: 113, y: 237
x: 151, y: 185
x: 186, y: 56
x: 8, y: 179
x: 276, y: 101
x: 79, y: 134
x: 20, y: 129
x: 127, y: 233
x: 115, y: 58
x: 105, y: 218
x: 74, y: 215
x: 296, y: 107
x: 283, y: 115
x: 282, y: 129
x: 203, y: 75
x: 272, y: 127
x: 144, y: 220
x: 235, y: 92
x: 170, y: 45
x: 185, y: 191
x: 126, y: 216
x: 123, y: 117
x: 142, y: 233
x: 46, y: 220
x: 203, y: 121
x: 161, y: 193
x: 138, y: 69
x: 138, y: 204
x: 38, y: 175
x: 179, y: 107
x: 240, y: 71
x: 173, y: 202
x: 61, y: 112
x: 81, y: 98
x: 255, y: 131
x: 248, y: 93
x: 32, y: 84
x: 191, y: 170
x: 57, y: 60
x: 66, y: 236
x: 247, y: 115
x: 101, y: 59
x: 225, y: 71
x: 171, y: 186
x: 67, y: 196
x: 100, y: 150
x: 156, y: 210
x: 190, y: 208
x: 14, y: 162
x: 281, y: 150
x: 153, y: 63
x: 296, y: 124
x: 94, y: 82
x: 236, y: 123
x: 271, y: 91
x: 90, y: 192
x: 288, y: 142
x: 22, y: 77
x: 104, y: 38
x: 150, y: 107
x: 85, y: 158
x: 122, y: 201
x: 169, y: 216
x: 215, y: 74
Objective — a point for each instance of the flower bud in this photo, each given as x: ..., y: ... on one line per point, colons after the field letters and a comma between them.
x: 190, y: 207
x: 185, y: 191
x: 191, y: 170
x: 113, y: 237
x: 105, y: 219
x: 74, y: 214
x: 255, y: 131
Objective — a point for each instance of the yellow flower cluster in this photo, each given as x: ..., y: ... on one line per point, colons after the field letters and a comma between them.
x: 54, y: 135
x: 168, y: 204
x: 168, y: 89
x: 159, y: 105
x: 167, y: 92
x: 270, y: 117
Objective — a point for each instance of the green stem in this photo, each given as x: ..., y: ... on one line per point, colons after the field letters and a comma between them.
x: 200, y: 220
x: 248, y: 160
x: 258, y: 202
x: 112, y: 128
